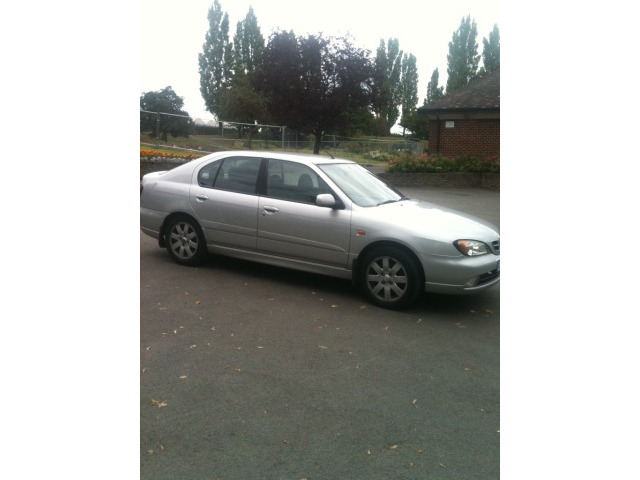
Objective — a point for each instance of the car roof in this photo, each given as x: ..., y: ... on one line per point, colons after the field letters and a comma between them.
x: 296, y: 157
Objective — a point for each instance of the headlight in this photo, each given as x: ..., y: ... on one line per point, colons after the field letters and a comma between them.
x: 472, y: 248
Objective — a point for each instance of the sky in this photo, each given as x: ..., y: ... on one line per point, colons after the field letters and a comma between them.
x: 172, y: 33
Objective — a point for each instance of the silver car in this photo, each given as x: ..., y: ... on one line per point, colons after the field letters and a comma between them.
x: 322, y: 215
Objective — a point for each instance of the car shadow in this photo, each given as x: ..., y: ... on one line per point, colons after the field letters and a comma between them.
x: 482, y: 303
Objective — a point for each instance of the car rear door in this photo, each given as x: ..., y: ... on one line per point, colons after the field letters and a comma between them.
x: 291, y: 225
x: 225, y: 200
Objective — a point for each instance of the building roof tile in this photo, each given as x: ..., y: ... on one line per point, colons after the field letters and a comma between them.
x: 481, y: 94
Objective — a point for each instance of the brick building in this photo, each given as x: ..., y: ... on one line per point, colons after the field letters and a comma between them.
x: 466, y: 121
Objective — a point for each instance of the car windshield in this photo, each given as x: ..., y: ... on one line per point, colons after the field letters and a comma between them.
x: 360, y: 185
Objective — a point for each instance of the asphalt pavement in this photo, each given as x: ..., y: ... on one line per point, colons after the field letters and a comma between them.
x: 257, y: 372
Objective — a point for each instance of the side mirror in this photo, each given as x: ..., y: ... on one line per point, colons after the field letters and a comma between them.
x: 326, y: 200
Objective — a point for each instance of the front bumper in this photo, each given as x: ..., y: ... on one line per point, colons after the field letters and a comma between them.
x: 461, y: 275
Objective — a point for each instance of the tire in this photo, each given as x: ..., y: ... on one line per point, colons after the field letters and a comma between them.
x: 390, y: 278
x: 185, y: 241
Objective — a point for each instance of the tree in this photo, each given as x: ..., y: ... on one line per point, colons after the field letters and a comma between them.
x: 388, y: 65
x: 242, y: 103
x: 278, y: 78
x: 216, y: 59
x: 417, y: 124
x: 463, y: 57
x: 248, y: 44
x: 491, y: 52
x: 408, y: 88
x: 433, y: 90
x: 175, y: 121
x: 314, y: 84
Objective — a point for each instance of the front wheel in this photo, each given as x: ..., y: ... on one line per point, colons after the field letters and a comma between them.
x: 390, y: 278
x: 185, y: 242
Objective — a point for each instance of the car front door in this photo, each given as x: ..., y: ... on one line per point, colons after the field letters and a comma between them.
x: 291, y: 225
x: 225, y: 200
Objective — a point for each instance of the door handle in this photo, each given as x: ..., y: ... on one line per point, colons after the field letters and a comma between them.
x: 202, y: 198
x: 270, y: 210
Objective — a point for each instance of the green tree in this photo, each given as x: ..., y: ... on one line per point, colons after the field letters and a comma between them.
x: 491, y: 52
x: 175, y: 121
x: 433, y: 90
x: 387, y: 74
x: 248, y: 44
x: 463, y: 57
x: 417, y: 124
x: 242, y: 103
x: 216, y: 59
x: 408, y: 88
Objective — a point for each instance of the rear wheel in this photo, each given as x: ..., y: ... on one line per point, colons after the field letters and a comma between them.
x: 390, y: 278
x: 184, y: 241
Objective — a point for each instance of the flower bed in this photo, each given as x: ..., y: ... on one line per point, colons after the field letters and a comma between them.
x: 437, y: 163
x: 164, y: 157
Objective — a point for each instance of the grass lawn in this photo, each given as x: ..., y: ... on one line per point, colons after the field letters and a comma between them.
x: 212, y: 143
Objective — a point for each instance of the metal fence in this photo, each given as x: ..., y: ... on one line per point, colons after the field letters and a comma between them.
x: 225, y: 135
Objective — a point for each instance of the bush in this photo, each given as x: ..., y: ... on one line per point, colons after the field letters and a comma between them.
x: 379, y: 156
x: 477, y: 163
x: 438, y: 163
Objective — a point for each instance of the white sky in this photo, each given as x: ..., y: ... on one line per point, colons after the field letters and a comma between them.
x: 172, y: 33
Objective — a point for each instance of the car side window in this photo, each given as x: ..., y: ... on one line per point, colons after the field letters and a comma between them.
x: 207, y: 174
x: 238, y: 174
x: 294, y: 182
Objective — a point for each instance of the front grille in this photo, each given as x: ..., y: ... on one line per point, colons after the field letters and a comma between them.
x: 495, y: 246
x: 487, y: 277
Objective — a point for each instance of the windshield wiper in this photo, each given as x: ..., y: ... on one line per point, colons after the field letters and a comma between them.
x: 403, y: 197
x: 388, y: 201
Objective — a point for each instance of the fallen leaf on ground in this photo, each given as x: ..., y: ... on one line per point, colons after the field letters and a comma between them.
x: 198, y: 302
x: 322, y: 346
x: 414, y: 403
x: 158, y: 403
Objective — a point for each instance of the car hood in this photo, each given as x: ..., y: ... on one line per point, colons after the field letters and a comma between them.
x: 431, y: 220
